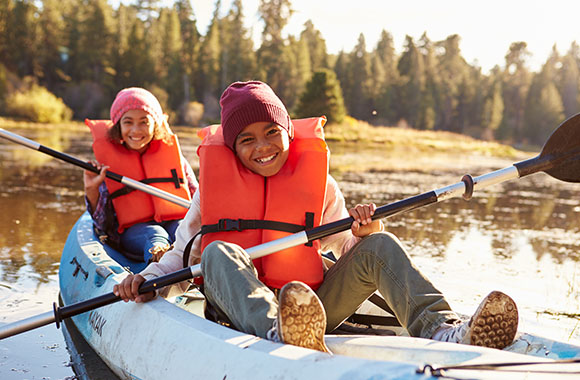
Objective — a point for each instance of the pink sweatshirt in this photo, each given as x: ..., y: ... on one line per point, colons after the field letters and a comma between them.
x: 334, y: 209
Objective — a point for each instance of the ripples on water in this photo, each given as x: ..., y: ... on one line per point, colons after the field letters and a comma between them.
x: 521, y: 237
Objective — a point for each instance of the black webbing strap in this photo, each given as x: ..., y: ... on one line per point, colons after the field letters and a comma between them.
x: 364, y: 319
x: 368, y: 320
x: 187, y: 250
x: 250, y: 224
x: 309, y: 224
x: 381, y: 303
x: 174, y: 179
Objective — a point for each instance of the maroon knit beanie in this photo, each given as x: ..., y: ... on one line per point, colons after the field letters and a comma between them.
x: 245, y: 103
x: 136, y: 98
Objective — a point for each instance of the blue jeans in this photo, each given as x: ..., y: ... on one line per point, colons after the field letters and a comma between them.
x: 377, y: 262
x: 141, y: 237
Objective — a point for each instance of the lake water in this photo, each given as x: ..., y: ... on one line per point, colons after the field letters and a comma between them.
x: 521, y: 237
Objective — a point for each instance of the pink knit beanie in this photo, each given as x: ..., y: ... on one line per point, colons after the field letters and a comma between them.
x: 245, y: 103
x: 135, y: 98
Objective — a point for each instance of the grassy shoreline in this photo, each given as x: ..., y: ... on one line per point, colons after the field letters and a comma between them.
x: 358, y: 146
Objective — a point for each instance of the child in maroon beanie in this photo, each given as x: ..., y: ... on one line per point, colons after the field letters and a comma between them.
x: 264, y: 176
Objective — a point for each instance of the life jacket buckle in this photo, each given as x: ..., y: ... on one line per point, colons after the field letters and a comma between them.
x: 230, y: 225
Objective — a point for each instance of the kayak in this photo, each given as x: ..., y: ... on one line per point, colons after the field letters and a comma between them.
x: 170, y: 338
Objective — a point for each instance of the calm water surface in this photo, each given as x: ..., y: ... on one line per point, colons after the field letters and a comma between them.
x: 521, y: 237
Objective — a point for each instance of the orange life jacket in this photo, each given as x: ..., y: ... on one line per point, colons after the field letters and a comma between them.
x: 231, y: 191
x: 160, y: 166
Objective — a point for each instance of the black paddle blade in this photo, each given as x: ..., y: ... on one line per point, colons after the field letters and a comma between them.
x: 562, y: 151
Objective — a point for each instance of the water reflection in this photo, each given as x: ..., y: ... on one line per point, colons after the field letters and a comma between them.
x: 59, y: 139
x: 545, y: 209
x: 32, y: 237
x: 40, y: 200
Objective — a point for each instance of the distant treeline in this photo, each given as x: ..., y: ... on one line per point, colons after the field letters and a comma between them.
x: 85, y: 51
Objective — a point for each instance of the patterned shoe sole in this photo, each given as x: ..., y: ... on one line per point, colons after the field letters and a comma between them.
x: 495, y: 322
x: 301, y: 317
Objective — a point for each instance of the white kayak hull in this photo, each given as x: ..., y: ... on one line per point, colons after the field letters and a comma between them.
x: 160, y: 340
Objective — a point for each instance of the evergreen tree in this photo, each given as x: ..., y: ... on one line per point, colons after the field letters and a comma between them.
x: 493, y: 107
x: 136, y: 60
x: 300, y: 72
x: 125, y: 17
x: 376, y: 88
x: 190, y: 46
x: 5, y: 18
x: 387, y: 78
x: 74, y: 18
x: 544, y: 110
x: 273, y: 54
x: 23, y: 39
x: 430, y: 92
x: 239, y: 62
x: 478, y: 83
x: 455, y: 92
x: 148, y: 11
x: 516, y: 83
x: 411, y: 70
x: 172, y: 76
x: 322, y: 96
x: 52, y: 41
x: 155, y: 22
x: 89, y: 59
x: 468, y: 104
x: 569, y: 81
x: 360, y: 80
x: 4, y: 93
x: 92, y: 56
x: 316, y: 46
x: 286, y: 74
x: 208, y: 80
x: 341, y: 69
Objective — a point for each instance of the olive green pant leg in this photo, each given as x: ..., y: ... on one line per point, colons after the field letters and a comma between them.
x: 379, y: 261
x: 232, y: 287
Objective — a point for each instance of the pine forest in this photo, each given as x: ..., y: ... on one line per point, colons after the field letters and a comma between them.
x: 63, y: 59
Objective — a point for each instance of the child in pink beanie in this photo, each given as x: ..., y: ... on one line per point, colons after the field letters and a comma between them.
x: 137, y: 143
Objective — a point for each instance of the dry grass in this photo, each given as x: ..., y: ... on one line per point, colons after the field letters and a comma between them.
x: 22, y: 124
x: 358, y: 146
x: 425, y: 141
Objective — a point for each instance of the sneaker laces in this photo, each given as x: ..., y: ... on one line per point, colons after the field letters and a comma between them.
x: 456, y: 333
x: 272, y: 334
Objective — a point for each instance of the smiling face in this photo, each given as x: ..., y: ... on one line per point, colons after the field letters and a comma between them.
x: 137, y: 129
x: 263, y: 147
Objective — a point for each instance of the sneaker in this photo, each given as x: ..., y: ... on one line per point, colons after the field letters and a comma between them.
x: 301, y: 317
x: 493, y: 325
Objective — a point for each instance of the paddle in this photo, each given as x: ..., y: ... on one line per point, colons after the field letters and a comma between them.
x: 560, y: 158
x: 88, y: 166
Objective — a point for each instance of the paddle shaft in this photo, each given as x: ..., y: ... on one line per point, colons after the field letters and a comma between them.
x: 88, y: 166
x: 463, y: 188
x: 60, y: 313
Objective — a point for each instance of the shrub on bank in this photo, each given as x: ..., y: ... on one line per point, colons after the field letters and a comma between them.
x: 191, y: 113
x: 37, y: 104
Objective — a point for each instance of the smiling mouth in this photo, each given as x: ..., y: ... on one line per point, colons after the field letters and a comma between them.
x: 267, y: 159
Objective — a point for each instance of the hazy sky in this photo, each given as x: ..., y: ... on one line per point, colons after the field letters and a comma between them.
x: 487, y: 28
